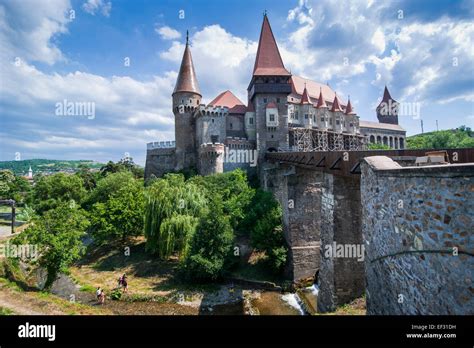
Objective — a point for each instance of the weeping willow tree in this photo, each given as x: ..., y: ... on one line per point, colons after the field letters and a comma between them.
x: 172, y: 211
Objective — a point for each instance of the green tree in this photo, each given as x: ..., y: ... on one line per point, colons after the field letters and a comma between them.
x: 267, y: 236
x: 125, y: 164
x: 6, y: 180
x: 50, y: 191
x: 378, y: 146
x: 233, y: 189
x: 172, y: 209
x: 88, y: 177
x: 444, y: 139
x: 119, y: 214
x: 57, y: 234
x: 211, y: 245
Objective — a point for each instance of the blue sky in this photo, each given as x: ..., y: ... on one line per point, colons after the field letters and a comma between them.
x: 76, y: 50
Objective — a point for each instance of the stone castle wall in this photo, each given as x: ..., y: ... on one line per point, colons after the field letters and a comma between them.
x: 413, y: 217
x: 159, y: 161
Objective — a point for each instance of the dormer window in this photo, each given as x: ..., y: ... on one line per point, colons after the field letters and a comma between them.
x: 251, y: 120
x: 272, y: 117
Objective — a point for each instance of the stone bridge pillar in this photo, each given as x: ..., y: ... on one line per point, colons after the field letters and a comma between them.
x: 299, y: 192
x: 341, y: 277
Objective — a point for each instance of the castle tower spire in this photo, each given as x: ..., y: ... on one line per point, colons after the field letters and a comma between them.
x: 305, y: 97
x: 387, y: 110
x: 349, y: 108
x: 187, y: 80
x: 321, y: 101
x: 335, y: 104
x: 268, y: 60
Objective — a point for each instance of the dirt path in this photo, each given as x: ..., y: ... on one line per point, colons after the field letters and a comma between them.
x: 21, y: 305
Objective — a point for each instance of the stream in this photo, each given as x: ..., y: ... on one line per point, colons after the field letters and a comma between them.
x: 241, y: 301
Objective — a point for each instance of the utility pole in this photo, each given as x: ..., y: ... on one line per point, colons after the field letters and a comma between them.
x: 437, y: 129
x: 421, y: 121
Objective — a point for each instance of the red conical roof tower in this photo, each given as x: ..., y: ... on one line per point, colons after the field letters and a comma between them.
x: 349, y: 109
x: 321, y: 101
x: 268, y: 61
x: 305, y: 97
x: 387, y: 110
x: 187, y: 81
x: 335, y: 104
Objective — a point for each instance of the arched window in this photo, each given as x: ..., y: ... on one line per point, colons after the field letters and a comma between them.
x: 379, y: 139
x: 396, y: 143
x: 402, y: 145
x: 372, y: 139
x: 385, y: 140
x: 391, y: 142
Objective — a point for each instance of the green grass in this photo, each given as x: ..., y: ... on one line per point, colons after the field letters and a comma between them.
x: 88, y: 288
x: 6, y: 311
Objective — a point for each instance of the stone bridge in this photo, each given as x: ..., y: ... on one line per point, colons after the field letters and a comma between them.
x: 392, y: 222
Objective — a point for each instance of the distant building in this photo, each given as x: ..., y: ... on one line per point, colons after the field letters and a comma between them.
x: 284, y: 112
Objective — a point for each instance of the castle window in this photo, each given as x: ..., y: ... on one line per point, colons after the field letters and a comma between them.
x: 212, y: 120
x: 251, y: 120
x: 278, y: 100
x: 265, y: 100
x: 322, y: 119
x: 296, y: 115
x: 305, y: 116
x: 182, y: 101
x: 272, y: 117
x: 231, y: 126
x: 272, y: 136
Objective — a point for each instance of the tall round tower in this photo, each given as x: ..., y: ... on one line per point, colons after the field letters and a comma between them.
x: 186, y: 99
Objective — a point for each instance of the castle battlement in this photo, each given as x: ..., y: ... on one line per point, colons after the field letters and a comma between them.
x: 161, y: 145
x: 215, y: 111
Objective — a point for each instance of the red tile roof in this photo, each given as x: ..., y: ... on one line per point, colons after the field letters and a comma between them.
x: 268, y: 60
x: 349, y: 109
x: 314, y: 88
x: 228, y: 99
x: 187, y: 81
x: 335, y: 104
x: 386, y: 97
x: 305, y: 98
x: 378, y: 125
x: 321, y: 101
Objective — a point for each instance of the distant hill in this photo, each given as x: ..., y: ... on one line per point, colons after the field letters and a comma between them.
x: 461, y: 137
x: 46, y: 165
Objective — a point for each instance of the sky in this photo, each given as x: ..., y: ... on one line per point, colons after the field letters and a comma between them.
x: 121, y: 57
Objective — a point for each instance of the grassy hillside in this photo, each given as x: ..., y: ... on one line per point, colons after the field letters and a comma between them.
x: 45, y: 165
x: 461, y: 137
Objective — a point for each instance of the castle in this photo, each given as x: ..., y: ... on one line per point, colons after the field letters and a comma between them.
x: 284, y: 112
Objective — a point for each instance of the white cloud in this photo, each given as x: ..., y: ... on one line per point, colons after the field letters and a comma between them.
x: 26, y: 30
x: 222, y: 60
x: 167, y: 33
x: 95, y: 6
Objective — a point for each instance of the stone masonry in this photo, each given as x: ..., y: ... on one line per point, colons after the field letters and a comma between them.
x: 418, y: 230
